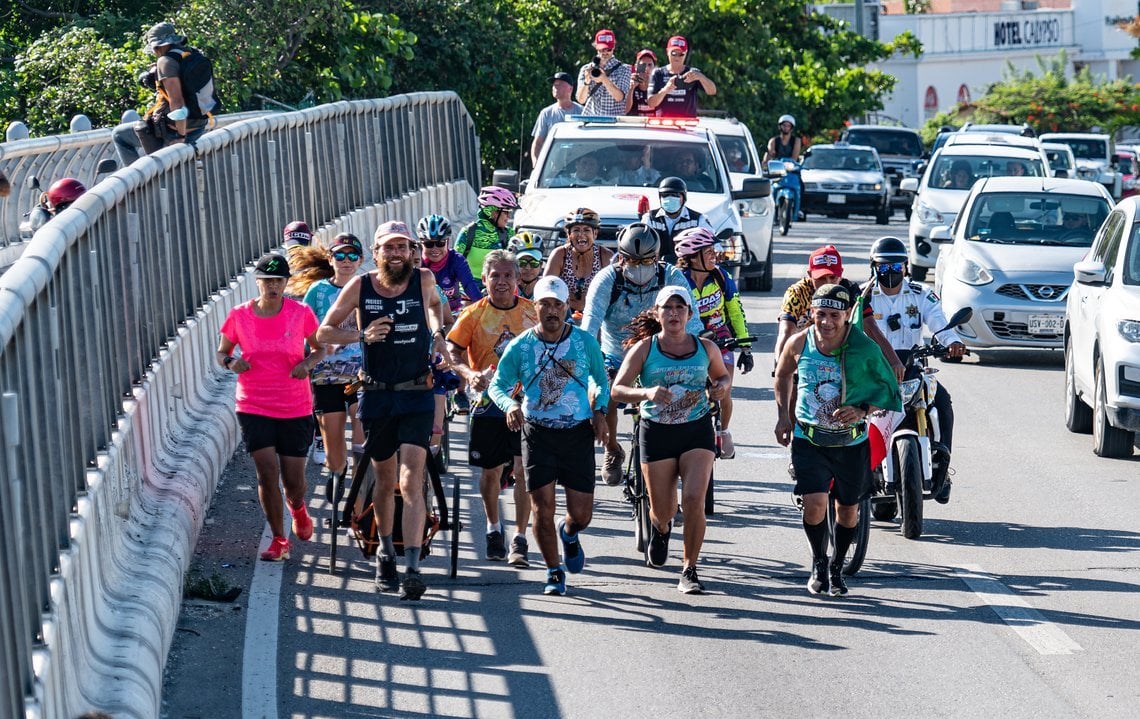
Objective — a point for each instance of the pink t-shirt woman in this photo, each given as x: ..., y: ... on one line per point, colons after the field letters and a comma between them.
x: 272, y: 346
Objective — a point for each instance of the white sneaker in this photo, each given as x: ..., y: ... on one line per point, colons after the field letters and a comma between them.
x: 727, y: 448
x: 318, y: 451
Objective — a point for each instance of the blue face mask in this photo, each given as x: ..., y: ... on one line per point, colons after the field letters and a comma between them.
x: 671, y: 204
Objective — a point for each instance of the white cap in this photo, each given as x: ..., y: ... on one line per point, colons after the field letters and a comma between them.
x: 551, y: 287
x: 674, y: 291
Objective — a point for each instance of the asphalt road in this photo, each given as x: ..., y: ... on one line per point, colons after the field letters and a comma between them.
x: 1019, y: 601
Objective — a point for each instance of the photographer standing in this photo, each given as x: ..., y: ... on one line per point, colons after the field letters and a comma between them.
x: 604, y: 82
x: 637, y: 101
x: 673, y: 89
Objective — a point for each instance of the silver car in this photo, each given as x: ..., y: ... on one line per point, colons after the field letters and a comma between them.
x: 1011, y: 257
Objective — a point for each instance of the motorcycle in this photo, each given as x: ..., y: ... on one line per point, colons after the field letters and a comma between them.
x: 914, y: 464
x: 786, y: 191
x: 43, y: 209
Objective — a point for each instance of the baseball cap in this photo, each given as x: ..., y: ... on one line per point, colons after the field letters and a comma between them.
x: 532, y: 253
x: 347, y: 240
x: 550, y: 287
x: 678, y: 42
x: 563, y: 76
x: 825, y: 261
x: 669, y: 291
x: 647, y: 52
x: 605, y: 38
x: 393, y: 229
x: 297, y: 232
x: 834, y: 297
x: 271, y: 266
x: 162, y: 34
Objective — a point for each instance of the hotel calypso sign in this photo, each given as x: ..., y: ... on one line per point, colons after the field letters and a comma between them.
x: 1043, y: 32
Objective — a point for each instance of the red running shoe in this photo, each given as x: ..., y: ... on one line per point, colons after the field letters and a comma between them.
x: 302, y: 523
x: 278, y: 550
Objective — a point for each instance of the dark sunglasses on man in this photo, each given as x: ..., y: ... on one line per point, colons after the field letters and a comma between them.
x: 885, y: 267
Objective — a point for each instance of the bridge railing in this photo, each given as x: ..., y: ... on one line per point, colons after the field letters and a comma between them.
x: 112, y: 430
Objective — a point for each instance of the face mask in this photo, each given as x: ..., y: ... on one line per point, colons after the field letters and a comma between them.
x: 890, y: 280
x: 640, y: 274
x: 671, y: 204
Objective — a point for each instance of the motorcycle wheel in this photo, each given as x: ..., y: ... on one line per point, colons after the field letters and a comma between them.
x: 910, y: 486
x: 785, y: 216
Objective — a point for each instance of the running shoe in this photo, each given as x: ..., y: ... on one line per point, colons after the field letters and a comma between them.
x: 572, y: 555
x: 689, y: 583
x: 318, y: 450
x: 462, y: 404
x: 838, y: 586
x: 555, y: 582
x: 818, y: 583
x: 612, y: 466
x: 278, y: 550
x: 727, y: 448
x: 658, y: 551
x: 943, y: 496
x: 413, y: 587
x: 517, y: 557
x: 302, y: 523
x: 496, y: 550
x: 387, y: 578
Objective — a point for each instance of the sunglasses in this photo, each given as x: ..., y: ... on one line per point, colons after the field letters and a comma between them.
x: 676, y: 53
x: 883, y: 267
x: 643, y: 261
x: 435, y: 243
x: 529, y: 262
x: 350, y: 256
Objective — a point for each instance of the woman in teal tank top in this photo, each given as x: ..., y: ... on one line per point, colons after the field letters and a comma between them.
x: 668, y: 372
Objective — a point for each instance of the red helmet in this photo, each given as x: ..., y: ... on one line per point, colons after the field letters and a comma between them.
x: 64, y: 192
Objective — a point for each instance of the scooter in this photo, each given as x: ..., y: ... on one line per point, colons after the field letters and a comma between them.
x: 786, y: 191
x: 42, y: 210
x: 914, y: 464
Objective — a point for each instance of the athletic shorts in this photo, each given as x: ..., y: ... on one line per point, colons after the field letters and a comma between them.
x: 669, y: 441
x: 565, y: 456
x: 815, y: 466
x: 384, y: 435
x: 491, y: 443
x: 290, y: 437
x: 331, y: 398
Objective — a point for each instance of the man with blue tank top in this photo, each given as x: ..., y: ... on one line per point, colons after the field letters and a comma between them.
x: 401, y: 316
x: 843, y: 377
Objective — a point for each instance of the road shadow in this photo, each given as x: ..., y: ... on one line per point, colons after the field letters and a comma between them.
x: 1010, y: 535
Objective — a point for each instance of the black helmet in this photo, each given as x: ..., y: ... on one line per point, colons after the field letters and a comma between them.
x: 638, y: 241
x: 889, y: 249
x: 676, y: 184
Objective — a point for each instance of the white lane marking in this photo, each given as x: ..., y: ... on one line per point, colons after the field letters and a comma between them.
x: 1041, y: 634
x: 259, y: 658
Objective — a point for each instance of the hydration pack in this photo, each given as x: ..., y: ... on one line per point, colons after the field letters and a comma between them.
x: 196, y: 73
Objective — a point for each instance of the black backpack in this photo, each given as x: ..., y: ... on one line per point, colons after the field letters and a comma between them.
x: 196, y: 73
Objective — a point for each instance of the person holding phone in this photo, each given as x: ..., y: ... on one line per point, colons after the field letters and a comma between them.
x: 637, y: 100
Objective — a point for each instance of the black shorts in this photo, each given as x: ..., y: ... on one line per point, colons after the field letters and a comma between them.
x: 331, y: 398
x: 565, y: 456
x: 290, y: 437
x: 491, y: 443
x: 849, y: 465
x: 669, y: 441
x: 384, y: 435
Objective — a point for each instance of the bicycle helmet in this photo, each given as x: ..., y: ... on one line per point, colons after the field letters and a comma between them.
x: 693, y: 240
x: 582, y: 216
x: 500, y: 197
x: 638, y: 241
x: 64, y: 192
x: 786, y: 118
x: 524, y: 241
x: 889, y: 249
x: 673, y: 184
x: 433, y: 227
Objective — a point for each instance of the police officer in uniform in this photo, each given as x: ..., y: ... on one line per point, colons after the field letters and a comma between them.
x: 673, y: 216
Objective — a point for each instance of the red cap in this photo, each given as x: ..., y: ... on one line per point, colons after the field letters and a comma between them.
x: 825, y: 261
x: 605, y: 38
x: 648, y: 52
x: 678, y: 42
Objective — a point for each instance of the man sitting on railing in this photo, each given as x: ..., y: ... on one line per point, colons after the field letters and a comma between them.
x: 5, y: 186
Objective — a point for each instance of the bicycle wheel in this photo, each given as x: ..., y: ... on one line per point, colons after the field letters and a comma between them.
x: 640, y: 500
x: 443, y: 459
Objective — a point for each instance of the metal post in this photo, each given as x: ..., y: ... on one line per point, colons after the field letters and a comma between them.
x: 859, y: 30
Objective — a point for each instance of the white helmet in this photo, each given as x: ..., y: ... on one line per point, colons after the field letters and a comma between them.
x: 786, y: 118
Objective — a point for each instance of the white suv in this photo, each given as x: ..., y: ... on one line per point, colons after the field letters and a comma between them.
x: 1102, y: 336
x: 612, y: 166
x: 1095, y: 158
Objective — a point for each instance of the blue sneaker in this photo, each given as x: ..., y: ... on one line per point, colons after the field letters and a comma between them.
x: 572, y: 554
x: 555, y: 582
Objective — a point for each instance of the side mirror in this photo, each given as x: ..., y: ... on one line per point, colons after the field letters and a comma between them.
x: 725, y: 234
x: 908, y: 184
x: 106, y: 166
x: 1060, y: 173
x: 1090, y: 272
x: 32, y: 183
x: 941, y: 233
x: 753, y: 188
x: 959, y: 318
x: 506, y: 178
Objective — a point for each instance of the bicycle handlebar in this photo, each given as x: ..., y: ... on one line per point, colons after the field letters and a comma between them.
x: 731, y: 343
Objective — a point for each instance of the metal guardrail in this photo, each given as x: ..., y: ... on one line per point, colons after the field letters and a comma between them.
x: 104, y: 291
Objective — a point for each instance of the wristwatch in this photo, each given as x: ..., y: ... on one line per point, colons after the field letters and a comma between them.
x: 228, y: 361
x: 362, y: 340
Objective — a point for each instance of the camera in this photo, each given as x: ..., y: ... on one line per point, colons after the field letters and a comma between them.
x: 596, y: 66
x: 149, y: 78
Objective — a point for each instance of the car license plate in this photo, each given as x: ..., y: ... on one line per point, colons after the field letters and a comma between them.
x: 836, y: 199
x: 1045, y: 324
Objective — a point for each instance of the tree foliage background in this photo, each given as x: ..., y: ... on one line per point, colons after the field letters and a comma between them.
x: 768, y: 57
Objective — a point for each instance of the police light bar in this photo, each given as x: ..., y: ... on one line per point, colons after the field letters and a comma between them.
x: 602, y: 119
x: 634, y: 120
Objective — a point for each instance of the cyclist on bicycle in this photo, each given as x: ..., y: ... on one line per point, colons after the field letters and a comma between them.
x: 528, y: 250
x: 489, y: 230
x: 720, y: 309
x: 621, y: 291
x: 452, y: 273
x: 842, y: 378
x: 668, y: 370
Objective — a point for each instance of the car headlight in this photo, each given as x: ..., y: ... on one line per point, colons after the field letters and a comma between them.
x: 870, y: 187
x: 928, y: 215
x: 972, y: 273
x: 908, y: 388
x: 1129, y: 330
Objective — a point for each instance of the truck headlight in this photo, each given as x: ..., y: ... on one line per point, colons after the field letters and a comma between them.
x: 870, y: 187
x: 1129, y: 330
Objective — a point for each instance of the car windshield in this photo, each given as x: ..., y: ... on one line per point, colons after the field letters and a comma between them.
x: 827, y: 158
x: 1086, y: 149
x: 888, y: 142
x: 1059, y: 160
x: 591, y: 162
x: 958, y: 172
x: 1132, y: 261
x: 1036, y: 218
